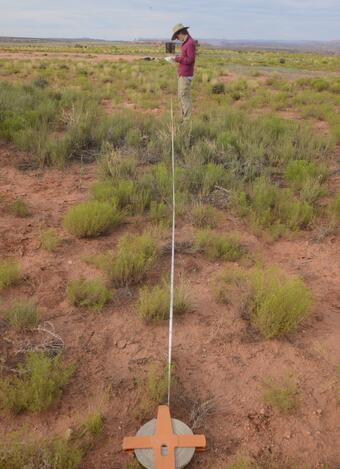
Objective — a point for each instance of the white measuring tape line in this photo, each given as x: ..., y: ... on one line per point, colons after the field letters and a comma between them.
x: 172, y: 275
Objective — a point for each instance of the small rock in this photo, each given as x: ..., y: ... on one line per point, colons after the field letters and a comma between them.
x: 121, y: 344
x: 287, y: 435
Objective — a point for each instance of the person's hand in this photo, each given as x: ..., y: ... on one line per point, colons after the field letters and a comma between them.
x: 170, y: 60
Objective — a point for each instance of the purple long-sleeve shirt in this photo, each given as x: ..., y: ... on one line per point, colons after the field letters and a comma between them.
x: 187, y: 58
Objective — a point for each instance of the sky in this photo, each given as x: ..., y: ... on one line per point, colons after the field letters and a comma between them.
x: 131, y: 19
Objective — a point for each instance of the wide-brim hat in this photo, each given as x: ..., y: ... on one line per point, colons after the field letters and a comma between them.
x: 176, y: 29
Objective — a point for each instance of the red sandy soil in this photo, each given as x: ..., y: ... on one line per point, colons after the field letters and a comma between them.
x: 215, y: 354
x: 65, y: 55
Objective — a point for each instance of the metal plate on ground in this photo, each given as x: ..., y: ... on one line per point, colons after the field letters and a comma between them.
x: 183, y: 455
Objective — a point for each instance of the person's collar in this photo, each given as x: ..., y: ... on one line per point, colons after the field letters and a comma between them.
x: 187, y: 38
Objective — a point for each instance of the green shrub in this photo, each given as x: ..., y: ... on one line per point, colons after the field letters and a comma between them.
x: 88, y: 293
x: 279, y: 303
x: 217, y: 246
x: 19, y: 208
x: 153, y: 302
x: 204, y: 216
x: 55, y: 453
x: 280, y: 395
x: 91, y: 219
x: 298, y: 171
x: 9, y: 273
x: 22, y: 315
x: 134, y: 257
x: 37, y: 385
x: 49, y: 240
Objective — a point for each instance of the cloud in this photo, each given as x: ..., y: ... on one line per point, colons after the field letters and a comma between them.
x: 114, y: 19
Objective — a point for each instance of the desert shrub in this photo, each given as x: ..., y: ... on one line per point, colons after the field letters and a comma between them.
x: 55, y: 453
x: 38, y: 383
x: 218, y: 88
x: 49, y: 240
x: 277, y: 210
x: 19, y: 208
x: 40, y: 82
x: 217, y: 246
x: 124, y: 190
x: 204, y: 216
x: 103, y: 191
x: 279, y: 303
x: 88, y: 293
x: 320, y: 84
x: 22, y: 315
x: 134, y: 257
x: 312, y: 190
x: 85, y: 131
x: 280, y: 395
x: 213, y: 174
x: 153, y: 302
x: 115, y: 164
x: 91, y: 219
x: 9, y: 273
x: 298, y: 171
x: 159, y: 212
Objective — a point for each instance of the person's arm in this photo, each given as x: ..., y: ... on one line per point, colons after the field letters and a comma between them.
x: 190, y: 58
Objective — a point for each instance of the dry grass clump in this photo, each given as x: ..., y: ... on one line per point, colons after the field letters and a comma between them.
x: 88, y: 293
x: 9, y: 273
x: 94, y: 424
x: 49, y: 240
x: 37, y: 385
x: 153, y: 302
x: 19, y: 208
x: 231, y: 285
x: 217, y: 246
x: 22, y: 315
x: 204, y: 216
x: 153, y: 390
x: 91, y: 219
x: 281, y: 395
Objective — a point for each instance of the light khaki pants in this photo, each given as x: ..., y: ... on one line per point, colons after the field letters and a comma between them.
x: 184, y: 84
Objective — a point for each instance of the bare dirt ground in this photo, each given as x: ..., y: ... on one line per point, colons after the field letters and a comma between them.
x: 215, y: 354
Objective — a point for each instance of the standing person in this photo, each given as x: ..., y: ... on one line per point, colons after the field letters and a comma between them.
x: 186, y: 64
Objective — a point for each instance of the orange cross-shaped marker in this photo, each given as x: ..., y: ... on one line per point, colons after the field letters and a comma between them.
x: 164, y: 441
